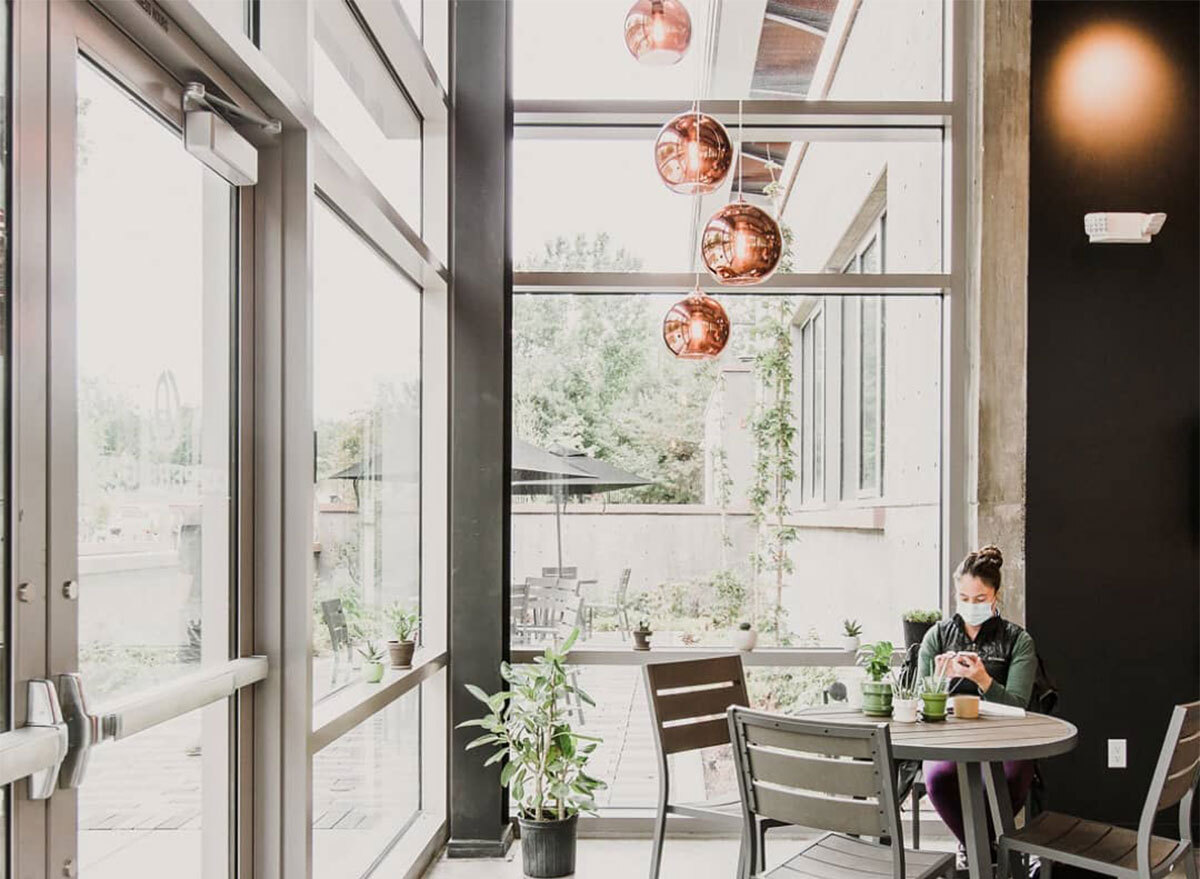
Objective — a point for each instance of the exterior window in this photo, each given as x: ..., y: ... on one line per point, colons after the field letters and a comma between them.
x: 366, y: 412
x: 867, y: 314
x: 870, y: 396
x: 812, y: 360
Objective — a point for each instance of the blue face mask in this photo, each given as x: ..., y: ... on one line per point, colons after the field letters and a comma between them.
x: 975, y: 614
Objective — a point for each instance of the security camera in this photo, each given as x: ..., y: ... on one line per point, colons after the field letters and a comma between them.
x: 1122, y: 228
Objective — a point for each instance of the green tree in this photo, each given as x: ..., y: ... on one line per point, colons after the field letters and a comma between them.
x: 591, y: 372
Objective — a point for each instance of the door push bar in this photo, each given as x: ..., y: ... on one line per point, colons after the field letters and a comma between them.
x: 53, y: 747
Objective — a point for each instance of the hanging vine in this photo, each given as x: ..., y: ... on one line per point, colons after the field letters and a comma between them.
x: 774, y: 435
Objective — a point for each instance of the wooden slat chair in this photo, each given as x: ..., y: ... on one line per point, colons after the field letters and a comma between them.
x: 840, y: 778
x: 688, y: 700
x: 1117, y: 851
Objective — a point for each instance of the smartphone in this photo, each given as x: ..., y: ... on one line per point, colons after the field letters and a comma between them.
x: 959, y: 657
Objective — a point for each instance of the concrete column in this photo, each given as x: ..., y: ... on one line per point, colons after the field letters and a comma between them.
x: 998, y: 322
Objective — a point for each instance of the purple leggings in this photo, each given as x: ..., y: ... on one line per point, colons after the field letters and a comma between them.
x: 941, y: 782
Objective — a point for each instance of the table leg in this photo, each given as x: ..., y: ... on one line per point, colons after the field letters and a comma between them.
x: 979, y: 850
x: 1002, y: 810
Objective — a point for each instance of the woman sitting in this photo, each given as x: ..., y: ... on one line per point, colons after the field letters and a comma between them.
x: 985, y: 655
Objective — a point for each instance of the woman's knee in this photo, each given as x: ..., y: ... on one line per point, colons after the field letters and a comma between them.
x: 941, y: 777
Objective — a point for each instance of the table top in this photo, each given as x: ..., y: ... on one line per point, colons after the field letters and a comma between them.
x: 982, y: 740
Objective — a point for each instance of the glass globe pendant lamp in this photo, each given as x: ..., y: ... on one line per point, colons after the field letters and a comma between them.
x: 658, y: 32
x: 693, y: 153
x: 741, y: 244
x: 696, y: 328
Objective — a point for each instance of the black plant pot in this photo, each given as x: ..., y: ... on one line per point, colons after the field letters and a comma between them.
x: 914, y: 633
x: 548, y: 847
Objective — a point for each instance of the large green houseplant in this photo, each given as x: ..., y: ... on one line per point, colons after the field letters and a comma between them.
x: 529, y: 726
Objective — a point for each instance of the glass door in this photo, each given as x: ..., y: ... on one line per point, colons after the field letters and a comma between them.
x: 128, y: 740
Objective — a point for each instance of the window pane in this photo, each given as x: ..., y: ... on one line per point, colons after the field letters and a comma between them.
x: 366, y: 410
x: 154, y: 300
x: 157, y: 804
x: 871, y: 403
x: 836, y: 49
x: 819, y: 406
x: 620, y: 217
x: 591, y: 373
x: 358, y: 100
x: 366, y: 790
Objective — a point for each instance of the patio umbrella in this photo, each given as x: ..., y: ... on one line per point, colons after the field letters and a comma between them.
x: 577, y: 474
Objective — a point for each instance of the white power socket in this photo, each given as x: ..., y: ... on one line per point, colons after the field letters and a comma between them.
x: 1116, y: 754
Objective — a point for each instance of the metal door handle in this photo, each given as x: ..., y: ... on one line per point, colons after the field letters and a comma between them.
x: 44, y: 737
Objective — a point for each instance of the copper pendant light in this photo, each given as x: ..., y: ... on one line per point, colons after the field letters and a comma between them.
x: 741, y: 244
x: 696, y: 328
x: 658, y: 32
x: 693, y: 154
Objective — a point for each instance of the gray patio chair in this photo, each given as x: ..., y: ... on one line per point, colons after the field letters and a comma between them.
x: 1118, y: 851
x: 687, y: 700
x: 840, y: 778
x: 618, y: 606
x: 568, y: 572
x: 548, y: 608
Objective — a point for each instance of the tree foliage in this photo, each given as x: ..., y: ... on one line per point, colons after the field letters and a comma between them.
x: 591, y: 372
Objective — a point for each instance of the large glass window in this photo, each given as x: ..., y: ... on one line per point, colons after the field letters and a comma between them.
x: 154, y: 297
x: 366, y: 790
x: 703, y: 465
x: 357, y: 97
x: 833, y: 49
x: 367, y: 415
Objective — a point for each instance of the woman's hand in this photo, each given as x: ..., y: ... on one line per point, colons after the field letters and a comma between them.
x: 943, y: 665
x: 969, y: 666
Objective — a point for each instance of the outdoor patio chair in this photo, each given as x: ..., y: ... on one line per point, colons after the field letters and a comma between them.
x: 1117, y: 851
x: 541, y: 610
x: 618, y: 605
x: 835, y: 777
x: 688, y: 700
x: 569, y: 572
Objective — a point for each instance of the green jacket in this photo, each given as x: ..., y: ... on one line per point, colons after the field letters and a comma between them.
x: 1005, y: 649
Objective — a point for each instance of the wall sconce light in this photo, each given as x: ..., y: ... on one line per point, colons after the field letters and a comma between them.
x: 1122, y: 228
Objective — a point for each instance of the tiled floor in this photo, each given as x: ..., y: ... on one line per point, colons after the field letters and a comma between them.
x: 683, y: 858
x: 629, y: 858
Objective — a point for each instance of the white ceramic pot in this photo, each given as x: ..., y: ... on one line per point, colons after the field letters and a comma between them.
x: 905, y: 710
x: 745, y: 639
x: 850, y: 642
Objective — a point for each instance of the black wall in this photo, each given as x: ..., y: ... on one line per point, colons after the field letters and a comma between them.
x: 1114, y: 394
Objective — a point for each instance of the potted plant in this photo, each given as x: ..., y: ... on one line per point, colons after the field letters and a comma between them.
x: 906, y: 696
x: 876, y: 692
x: 405, y: 624
x: 917, y: 623
x: 641, y: 636
x: 545, y: 760
x: 934, y: 692
x: 851, y: 630
x: 745, y: 638
x: 372, y: 662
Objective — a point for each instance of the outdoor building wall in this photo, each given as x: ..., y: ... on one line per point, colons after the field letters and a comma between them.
x: 894, y: 51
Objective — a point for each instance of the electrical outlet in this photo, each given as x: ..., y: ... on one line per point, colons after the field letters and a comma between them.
x: 1116, y: 754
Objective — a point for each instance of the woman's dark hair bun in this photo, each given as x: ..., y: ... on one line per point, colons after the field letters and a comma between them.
x: 984, y: 563
x: 989, y: 555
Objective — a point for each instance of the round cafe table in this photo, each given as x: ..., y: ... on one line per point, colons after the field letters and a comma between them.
x: 979, y: 747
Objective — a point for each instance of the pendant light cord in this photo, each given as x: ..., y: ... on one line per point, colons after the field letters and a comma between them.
x: 741, y: 155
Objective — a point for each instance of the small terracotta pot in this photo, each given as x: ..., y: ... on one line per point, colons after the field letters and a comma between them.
x: 401, y: 653
x: 965, y: 707
x: 641, y: 640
